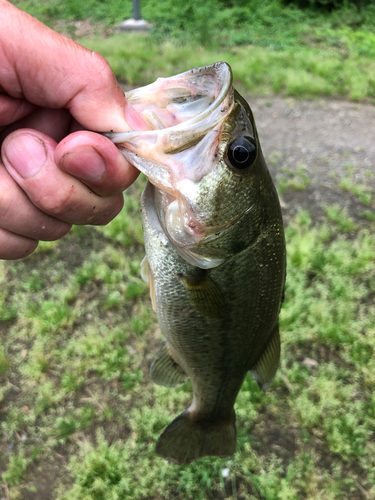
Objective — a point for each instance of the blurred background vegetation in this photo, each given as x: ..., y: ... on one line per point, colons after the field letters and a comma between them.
x: 79, y: 416
x: 223, y: 23
x: 296, y: 47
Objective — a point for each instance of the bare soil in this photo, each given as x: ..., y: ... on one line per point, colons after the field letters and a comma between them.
x: 331, y: 138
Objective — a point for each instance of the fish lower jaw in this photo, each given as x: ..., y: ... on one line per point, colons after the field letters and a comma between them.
x: 183, y: 241
x: 183, y: 229
x: 186, y: 241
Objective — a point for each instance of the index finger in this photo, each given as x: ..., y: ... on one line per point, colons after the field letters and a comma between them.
x: 50, y: 70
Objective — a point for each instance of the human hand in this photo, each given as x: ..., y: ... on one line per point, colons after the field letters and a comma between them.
x: 53, y: 172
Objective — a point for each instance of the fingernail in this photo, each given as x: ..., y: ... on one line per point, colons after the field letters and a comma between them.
x: 26, y: 154
x: 85, y: 163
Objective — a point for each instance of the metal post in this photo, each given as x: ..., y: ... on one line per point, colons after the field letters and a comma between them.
x: 136, y: 23
x: 136, y: 10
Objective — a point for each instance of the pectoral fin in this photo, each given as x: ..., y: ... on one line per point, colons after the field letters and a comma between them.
x: 145, y: 270
x: 165, y: 371
x: 204, y: 295
x: 265, y: 368
x: 147, y: 276
x: 152, y: 290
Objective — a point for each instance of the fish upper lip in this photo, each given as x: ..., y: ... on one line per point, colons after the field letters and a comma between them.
x: 228, y: 80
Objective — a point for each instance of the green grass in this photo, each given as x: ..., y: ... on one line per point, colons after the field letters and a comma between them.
x: 269, y: 23
x: 75, y: 393
x: 363, y: 193
x: 294, y: 71
x: 296, y: 180
x: 340, y: 215
x: 272, y: 48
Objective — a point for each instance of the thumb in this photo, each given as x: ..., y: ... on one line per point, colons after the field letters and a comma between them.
x: 50, y: 70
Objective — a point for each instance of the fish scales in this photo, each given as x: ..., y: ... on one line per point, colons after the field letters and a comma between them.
x: 215, y: 251
x: 232, y: 341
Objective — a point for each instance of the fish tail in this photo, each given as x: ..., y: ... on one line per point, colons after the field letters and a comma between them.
x: 187, y: 439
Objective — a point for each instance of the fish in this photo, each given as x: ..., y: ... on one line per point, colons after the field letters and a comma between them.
x: 215, y: 250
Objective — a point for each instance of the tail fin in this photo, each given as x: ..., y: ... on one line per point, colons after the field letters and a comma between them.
x: 187, y: 439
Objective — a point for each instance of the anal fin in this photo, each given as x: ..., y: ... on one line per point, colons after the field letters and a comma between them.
x: 165, y: 371
x: 266, y: 366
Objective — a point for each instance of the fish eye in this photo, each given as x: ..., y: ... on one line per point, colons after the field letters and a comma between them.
x: 242, y: 153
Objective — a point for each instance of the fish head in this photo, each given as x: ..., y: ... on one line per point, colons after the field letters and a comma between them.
x: 200, y: 149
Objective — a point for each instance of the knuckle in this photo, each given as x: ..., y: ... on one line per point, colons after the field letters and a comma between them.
x: 6, y: 197
x: 101, y: 65
x: 60, y: 202
x: 5, y: 203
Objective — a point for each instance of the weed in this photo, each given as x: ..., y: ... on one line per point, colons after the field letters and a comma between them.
x: 362, y: 192
x: 274, y: 158
x: 16, y: 469
x: 368, y: 214
x: 340, y: 215
x: 293, y: 179
x: 4, y: 363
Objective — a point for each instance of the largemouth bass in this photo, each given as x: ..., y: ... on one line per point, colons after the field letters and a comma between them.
x: 215, y: 250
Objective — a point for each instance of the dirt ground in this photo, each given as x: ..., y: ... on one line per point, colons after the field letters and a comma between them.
x: 331, y: 138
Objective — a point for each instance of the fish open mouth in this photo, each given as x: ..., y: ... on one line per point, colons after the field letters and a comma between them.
x: 178, y: 102
x: 173, y: 115
x: 177, y: 124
